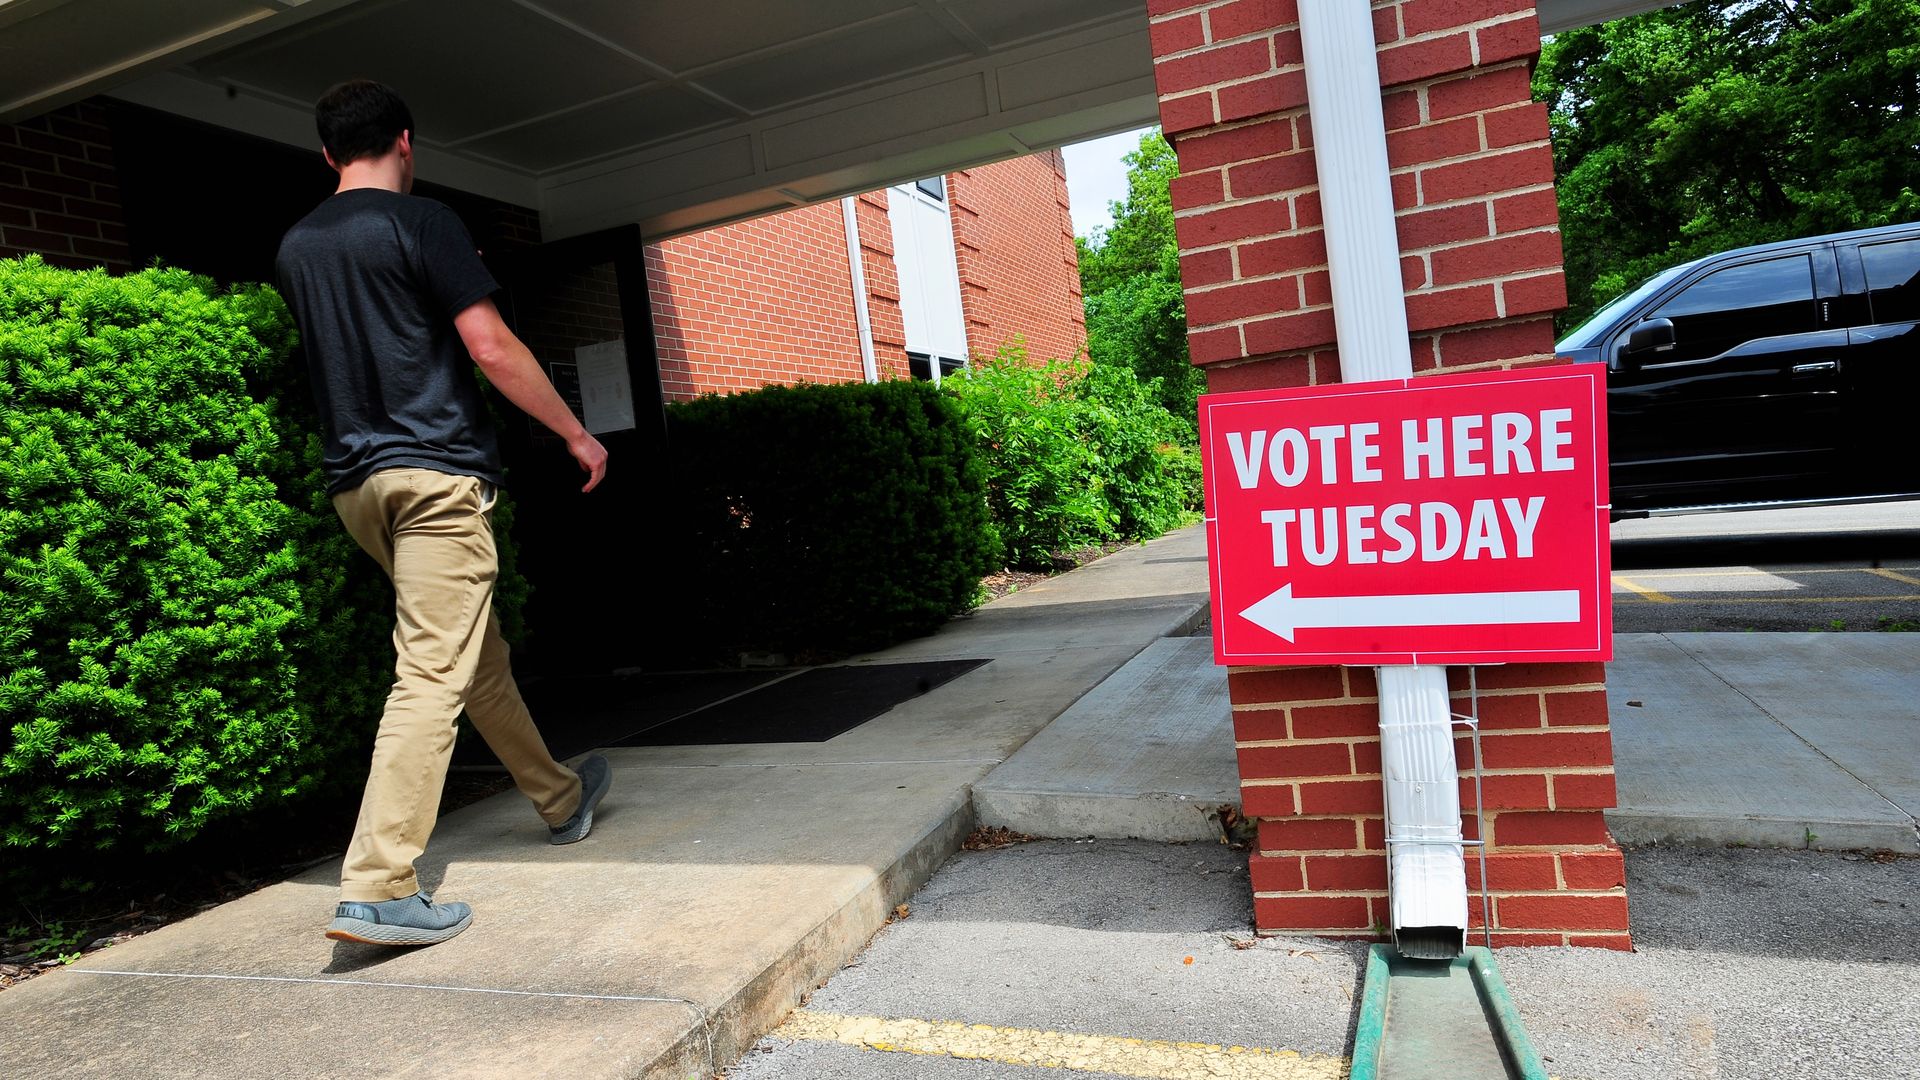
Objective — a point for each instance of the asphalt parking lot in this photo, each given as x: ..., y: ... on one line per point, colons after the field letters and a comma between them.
x: 1061, y: 959
x: 1854, y: 568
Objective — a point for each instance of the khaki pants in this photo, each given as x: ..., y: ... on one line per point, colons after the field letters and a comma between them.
x: 433, y: 534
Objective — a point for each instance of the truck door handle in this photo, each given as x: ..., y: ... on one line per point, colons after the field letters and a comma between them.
x: 1818, y: 367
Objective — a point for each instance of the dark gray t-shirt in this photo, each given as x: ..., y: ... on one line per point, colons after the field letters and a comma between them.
x: 374, y: 279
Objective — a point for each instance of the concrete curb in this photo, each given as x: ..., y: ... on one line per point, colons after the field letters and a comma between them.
x: 1636, y: 827
x: 1160, y: 816
x: 725, y: 1035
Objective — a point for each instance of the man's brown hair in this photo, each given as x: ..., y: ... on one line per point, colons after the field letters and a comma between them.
x: 360, y: 119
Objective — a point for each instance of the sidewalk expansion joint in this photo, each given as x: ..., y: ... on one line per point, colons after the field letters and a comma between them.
x: 1764, y: 711
x: 388, y: 986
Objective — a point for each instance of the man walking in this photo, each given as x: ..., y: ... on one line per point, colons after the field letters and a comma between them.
x: 394, y: 308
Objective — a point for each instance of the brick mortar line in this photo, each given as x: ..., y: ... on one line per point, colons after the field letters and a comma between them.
x: 1497, y: 894
x: 1452, y: 245
x: 1308, y: 853
x: 1267, y: 36
x: 1233, y: 125
x: 1419, y: 85
x: 1272, y: 32
x: 1366, y: 740
x: 1288, y: 195
x: 1456, y: 159
x: 1195, y: 10
x: 1460, y: 695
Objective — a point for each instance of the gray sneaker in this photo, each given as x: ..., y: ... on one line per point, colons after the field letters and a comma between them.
x: 410, y: 920
x: 596, y: 776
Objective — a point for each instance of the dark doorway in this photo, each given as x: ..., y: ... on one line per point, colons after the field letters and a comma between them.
x: 592, y: 559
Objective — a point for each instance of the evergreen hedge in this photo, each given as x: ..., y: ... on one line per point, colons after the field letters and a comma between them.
x: 185, y: 630
x: 822, y: 519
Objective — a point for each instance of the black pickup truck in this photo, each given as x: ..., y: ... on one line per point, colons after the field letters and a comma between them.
x: 1785, y: 372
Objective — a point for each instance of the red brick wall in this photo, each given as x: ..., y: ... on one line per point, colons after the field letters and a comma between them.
x: 58, y: 193
x: 771, y: 300
x: 1472, y: 178
x: 1019, y: 271
x: 762, y: 301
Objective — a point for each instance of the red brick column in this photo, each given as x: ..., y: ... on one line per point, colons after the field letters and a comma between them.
x: 1472, y: 177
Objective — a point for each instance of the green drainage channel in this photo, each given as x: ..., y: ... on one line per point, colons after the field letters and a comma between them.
x: 1439, y: 1018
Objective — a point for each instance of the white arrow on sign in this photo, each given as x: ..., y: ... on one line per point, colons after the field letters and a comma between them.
x: 1282, y: 612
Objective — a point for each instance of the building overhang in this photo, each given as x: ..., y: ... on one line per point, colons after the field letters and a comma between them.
x: 606, y: 112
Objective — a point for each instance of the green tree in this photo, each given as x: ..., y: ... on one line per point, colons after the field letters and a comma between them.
x: 1130, y: 279
x: 1721, y: 123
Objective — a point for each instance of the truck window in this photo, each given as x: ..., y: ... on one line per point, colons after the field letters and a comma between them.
x: 1739, y: 304
x: 1893, y: 280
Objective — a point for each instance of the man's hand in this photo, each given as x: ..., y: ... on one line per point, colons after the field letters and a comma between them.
x: 592, y: 458
x: 516, y: 374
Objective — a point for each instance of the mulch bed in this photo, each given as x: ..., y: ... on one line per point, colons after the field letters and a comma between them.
x: 1008, y: 581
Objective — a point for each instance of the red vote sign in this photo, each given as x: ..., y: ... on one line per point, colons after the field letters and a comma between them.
x: 1451, y: 519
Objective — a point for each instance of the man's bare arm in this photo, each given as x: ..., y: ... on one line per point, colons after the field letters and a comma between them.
x: 519, y: 376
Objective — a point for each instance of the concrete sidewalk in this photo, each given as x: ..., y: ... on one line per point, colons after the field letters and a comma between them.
x: 1775, y: 740
x: 721, y: 883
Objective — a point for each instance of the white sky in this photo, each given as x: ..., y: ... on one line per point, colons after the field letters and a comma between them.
x: 1096, y: 176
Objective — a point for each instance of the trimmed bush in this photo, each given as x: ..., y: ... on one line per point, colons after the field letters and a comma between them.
x: 822, y: 519
x: 185, y: 630
x: 1076, y: 454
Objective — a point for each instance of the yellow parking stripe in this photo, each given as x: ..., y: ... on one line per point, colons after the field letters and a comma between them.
x: 1652, y: 595
x: 1893, y: 575
x: 1147, y: 1058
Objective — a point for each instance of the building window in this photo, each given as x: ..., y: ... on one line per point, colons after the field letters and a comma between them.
x: 921, y: 365
x: 933, y: 187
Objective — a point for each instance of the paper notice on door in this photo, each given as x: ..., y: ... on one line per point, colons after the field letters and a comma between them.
x: 606, y: 386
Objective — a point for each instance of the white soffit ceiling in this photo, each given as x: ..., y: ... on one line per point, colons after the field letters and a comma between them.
x: 682, y: 115
x: 604, y: 112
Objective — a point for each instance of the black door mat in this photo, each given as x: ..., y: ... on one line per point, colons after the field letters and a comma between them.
x: 813, y: 706
x: 579, y: 714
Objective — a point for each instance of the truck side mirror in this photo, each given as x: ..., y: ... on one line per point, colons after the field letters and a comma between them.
x: 1651, y: 336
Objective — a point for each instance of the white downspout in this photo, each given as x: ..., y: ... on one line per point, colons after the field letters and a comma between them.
x: 848, y: 211
x: 1425, y: 863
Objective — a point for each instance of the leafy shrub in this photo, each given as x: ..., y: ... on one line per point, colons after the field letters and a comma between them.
x: 823, y: 518
x: 1076, y: 453
x: 185, y: 630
